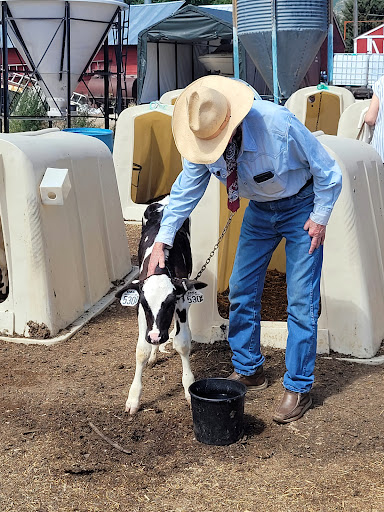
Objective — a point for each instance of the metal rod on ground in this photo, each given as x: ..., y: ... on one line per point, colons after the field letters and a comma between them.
x: 235, y: 38
x: 5, y: 67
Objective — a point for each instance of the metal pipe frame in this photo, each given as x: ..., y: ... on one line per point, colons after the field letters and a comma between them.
x: 8, y: 18
x: 68, y: 45
x: 275, y: 74
x: 106, y: 84
x: 158, y: 69
x: 119, y: 60
x: 330, y: 43
x: 5, y: 105
x: 235, y: 39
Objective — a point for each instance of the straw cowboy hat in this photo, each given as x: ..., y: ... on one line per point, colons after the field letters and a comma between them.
x: 205, y: 115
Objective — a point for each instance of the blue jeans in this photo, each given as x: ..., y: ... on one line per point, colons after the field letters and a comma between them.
x: 264, y: 225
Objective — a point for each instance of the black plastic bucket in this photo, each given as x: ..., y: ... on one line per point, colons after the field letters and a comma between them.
x: 218, y: 410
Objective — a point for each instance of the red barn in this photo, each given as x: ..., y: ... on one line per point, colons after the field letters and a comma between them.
x: 370, y: 42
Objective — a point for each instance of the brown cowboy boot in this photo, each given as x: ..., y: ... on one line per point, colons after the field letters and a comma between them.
x: 292, y: 406
x: 255, y: 382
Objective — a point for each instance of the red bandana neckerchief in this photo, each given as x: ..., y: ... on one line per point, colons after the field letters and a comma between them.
x: 230, y: 156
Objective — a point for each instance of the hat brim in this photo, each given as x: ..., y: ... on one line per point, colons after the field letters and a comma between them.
x: 199, y: 151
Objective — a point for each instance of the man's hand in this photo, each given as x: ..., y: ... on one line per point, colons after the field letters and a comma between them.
x: 157, y: 258
x: 316, y: 232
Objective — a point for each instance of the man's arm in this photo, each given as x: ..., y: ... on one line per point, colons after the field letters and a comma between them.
x: 186, y: 192
x: 326, y: 179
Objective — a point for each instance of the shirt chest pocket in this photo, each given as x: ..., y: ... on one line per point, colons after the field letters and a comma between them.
x: 268, y: 182
x: 260, y: 176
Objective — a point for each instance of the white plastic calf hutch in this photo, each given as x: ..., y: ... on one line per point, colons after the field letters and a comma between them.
x: 353, y: 271
x: 64, y: 234
x: 351, y: 122
x: 320, y: 108
x: 170, y: 97
x: 146, y: 159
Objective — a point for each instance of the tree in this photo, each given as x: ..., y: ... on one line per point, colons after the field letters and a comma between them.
x: 29, y: 104
x: 371, y: 12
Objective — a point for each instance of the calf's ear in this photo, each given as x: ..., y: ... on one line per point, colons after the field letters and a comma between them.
x: 183, y: 285
x: 135, y: 285
x: 198, y: 285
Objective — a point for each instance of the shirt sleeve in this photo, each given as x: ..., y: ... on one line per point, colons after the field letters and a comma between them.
x: 186, y: 192
x: 324, y: 169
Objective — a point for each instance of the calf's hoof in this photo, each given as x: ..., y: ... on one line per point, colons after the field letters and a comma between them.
x: 162, y: 348
x: 131, y: 407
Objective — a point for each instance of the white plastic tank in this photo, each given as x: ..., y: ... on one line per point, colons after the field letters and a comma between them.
x: 218, y: 63
x: 38, y: 31
x: 64, y: 235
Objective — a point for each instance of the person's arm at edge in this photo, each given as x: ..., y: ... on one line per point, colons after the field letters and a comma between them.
x: 372, y: 112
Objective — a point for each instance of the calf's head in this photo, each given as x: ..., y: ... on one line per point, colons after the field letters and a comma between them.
x: 158, y: 295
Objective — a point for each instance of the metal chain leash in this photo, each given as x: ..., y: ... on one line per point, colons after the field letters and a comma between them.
x: 215, y: 246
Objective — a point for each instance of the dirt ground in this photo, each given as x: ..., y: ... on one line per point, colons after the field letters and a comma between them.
x: 56, y: 401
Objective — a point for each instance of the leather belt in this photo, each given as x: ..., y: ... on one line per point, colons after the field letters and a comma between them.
x: 306, y: 184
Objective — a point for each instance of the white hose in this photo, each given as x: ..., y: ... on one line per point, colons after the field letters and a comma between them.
x: 374, y: 361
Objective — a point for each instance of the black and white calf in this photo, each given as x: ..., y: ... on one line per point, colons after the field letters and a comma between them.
x: 162, y: 297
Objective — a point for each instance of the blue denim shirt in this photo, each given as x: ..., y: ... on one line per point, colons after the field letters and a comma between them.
x: 273, y: 140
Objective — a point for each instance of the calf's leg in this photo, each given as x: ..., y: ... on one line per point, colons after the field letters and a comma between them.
x: 182, y: 344
x: 153, y: 356
x: 143, y: 353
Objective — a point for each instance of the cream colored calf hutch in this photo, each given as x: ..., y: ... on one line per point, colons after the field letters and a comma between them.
x: 170, y: 97
x: 146, y: 159
x: 320, y: 108
x: 351, y: 122
x: 64, y: 235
